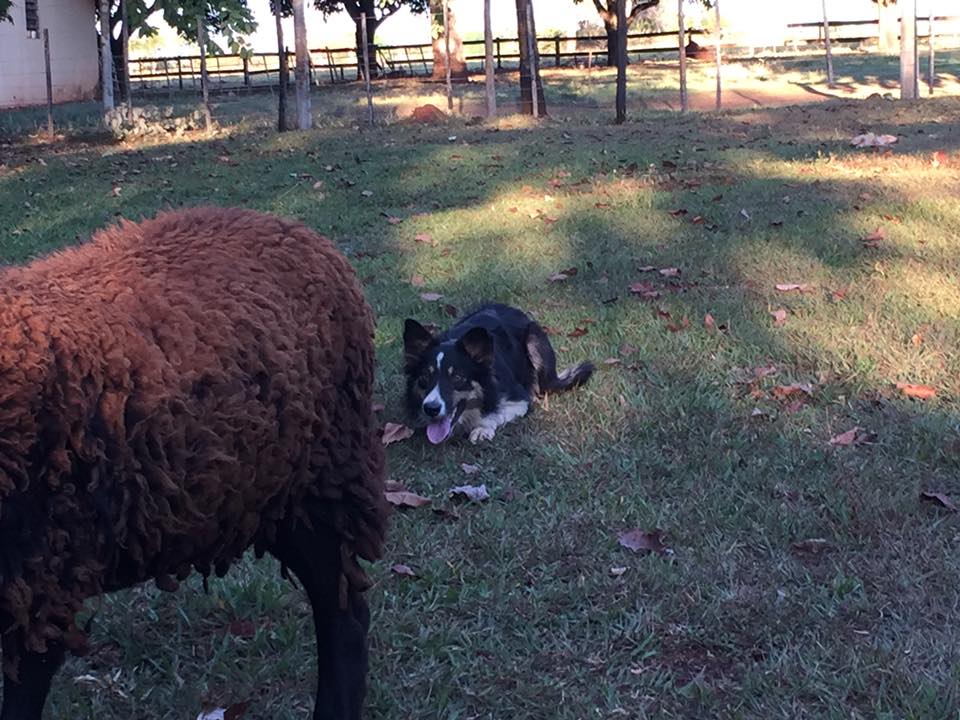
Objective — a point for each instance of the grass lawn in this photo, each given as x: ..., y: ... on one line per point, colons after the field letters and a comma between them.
x: 717, y: 432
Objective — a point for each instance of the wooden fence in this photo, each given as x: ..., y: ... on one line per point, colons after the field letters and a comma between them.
x: 335, y: 65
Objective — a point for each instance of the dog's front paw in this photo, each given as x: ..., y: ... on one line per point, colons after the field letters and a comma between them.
x: 482, y: 432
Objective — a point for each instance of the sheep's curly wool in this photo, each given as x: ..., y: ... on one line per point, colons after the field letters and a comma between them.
x: 169, y: 393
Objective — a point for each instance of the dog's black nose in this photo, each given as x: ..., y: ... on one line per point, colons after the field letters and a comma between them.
x: 431, y: 409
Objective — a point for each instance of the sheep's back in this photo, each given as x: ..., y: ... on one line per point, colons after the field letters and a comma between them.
x: 211, y: 377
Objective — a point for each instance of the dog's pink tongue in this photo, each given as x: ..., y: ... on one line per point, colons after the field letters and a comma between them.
x: 439, y: 431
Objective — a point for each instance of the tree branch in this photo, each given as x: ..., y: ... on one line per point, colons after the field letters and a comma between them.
x: 353, y: 9
x: 388, y: 10
x: 638, y: 7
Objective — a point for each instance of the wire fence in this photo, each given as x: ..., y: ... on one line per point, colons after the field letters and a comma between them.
x: 340, y: 64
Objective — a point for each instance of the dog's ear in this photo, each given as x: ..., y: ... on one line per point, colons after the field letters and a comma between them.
x: 416, y: 339
x: 478, y: 344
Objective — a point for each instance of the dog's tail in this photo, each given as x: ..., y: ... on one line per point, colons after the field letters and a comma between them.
x: 544, y: 362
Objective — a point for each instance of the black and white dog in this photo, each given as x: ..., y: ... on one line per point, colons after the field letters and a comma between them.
x: 481, y: 373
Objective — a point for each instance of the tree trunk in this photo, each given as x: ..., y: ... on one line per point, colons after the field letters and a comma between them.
x: 282, y: 70
x: 119, y: 68
x: 106, y: 56
x: 304, y: 120
x: 888, y: 28
x: 611, y: 30
x: 457, y: 62
x: 529, y: 66
x: 491, y: 88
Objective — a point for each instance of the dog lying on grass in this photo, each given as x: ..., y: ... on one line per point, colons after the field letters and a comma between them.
x: 481, y: 373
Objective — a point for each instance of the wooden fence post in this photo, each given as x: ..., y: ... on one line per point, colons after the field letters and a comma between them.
x: 446, y: 61
x: 556, y: 52
x: 621, y: 62
x: 180, y: 73
x: 366, y: 66
x: 246, y: 71
x: 826, y: 40
x: 716, y: 7
x: 683, y: 57
x: 46, y: 62
x: 499, y: 58
x: 931, y: 73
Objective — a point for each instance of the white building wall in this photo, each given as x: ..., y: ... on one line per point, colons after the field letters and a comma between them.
x: 73, y: 54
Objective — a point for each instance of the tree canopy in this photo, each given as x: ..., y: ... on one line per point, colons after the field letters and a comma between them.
x: 230, y: 19
x: 380, y: 10
x: 5, y: 10
x: 608, y: 10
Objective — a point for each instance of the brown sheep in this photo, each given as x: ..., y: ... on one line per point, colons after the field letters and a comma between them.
x: 172, y: 393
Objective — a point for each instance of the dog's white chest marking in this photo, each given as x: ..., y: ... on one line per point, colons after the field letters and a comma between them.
x: 435, y: 398
x: 508, y: 410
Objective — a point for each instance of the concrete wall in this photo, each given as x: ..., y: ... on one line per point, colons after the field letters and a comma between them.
x: 73, y: 54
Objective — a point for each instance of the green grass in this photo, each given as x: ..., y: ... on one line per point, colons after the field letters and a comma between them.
x: 516, y: 613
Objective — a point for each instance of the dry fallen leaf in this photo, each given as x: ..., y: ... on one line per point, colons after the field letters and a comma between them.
x: 476, y: 493
x: 366, y: 193
x: 563, y: 275
x: 233, y: 712
x: 813, y: 546
x: 646, y: 268
x: 874, y: 239
x: 612, y: 361
x: 395, y: 432
x: 788, y: 287
x: 405, y: 498
x: 401, y: 569
x: 779, y: 317
x: 645, y: 290
x: 678, y: 326
x: 709, y: 323
x: 423, y: 238
x: 781, y: 392
x: 921, y: 392
x: 917, y: 339
x: 578, y: 332
x: 939, y: 498
x: 469, y: 469
x: 430, y: 296
x: 418, y: 281
x: 678, y: 212
x: 617, y: 571
x: 669, y: 272
x: 846, y: 438
x: 644, y: 541
x: 870, y: 139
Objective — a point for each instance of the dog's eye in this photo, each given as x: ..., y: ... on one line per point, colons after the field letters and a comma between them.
x: 423, y: 381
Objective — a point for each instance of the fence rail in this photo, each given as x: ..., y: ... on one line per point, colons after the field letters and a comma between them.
x: 340, y: 64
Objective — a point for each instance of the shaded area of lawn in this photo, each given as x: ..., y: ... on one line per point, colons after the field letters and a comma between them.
x: 518, y: 611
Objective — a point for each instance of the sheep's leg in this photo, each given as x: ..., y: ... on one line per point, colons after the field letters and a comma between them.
x: 314, y: 556
x: 24, y: 700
